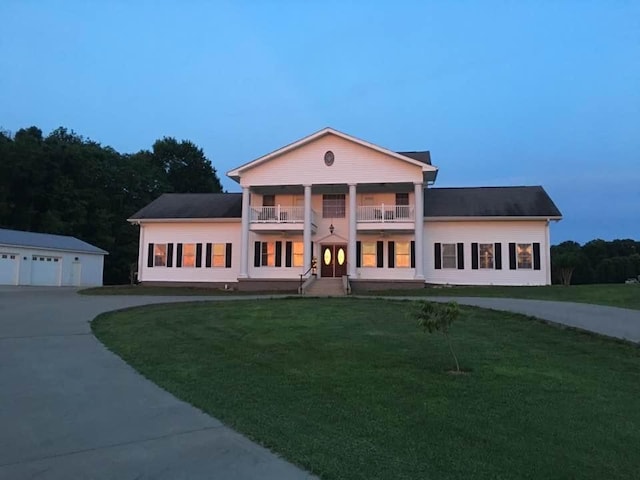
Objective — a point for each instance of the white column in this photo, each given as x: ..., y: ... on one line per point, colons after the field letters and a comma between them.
x: 306, y: 232
x: 419, y: 229
x: 244, y: 238
x: 351, y: 246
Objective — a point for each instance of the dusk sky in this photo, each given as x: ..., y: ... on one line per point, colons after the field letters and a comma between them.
x: 501, y: 93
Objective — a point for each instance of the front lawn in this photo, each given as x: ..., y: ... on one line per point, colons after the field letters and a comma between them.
x: 350, y: 388
x: 614, y: 295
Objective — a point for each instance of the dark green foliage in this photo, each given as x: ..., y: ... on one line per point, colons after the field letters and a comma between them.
x: 597, y: 261
x: 68, y: 185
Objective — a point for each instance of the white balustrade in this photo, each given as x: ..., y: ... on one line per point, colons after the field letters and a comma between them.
x: 385, y: 213
x: 277, y: 214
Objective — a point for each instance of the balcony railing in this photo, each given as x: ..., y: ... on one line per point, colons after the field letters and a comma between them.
x: 386, y: 213
x: 279, y: 214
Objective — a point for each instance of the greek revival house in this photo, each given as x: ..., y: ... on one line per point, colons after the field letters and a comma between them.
x: 353, y: 210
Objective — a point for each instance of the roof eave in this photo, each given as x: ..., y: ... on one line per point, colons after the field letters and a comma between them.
x: 461, y: 218
x: 137, y: 221
x: 98, y: 251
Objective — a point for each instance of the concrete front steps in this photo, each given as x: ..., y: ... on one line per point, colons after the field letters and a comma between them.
x: 326, y: 287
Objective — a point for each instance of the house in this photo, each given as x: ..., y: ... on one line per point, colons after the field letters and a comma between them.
x: 28, y: 258
x: 360, y: 210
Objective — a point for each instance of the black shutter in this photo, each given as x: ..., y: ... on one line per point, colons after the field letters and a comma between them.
x: 380, y: 254
x: 170, y: 255
x: 227, y: 256
x: 437, y: 256
x: 257, y: 251
x: 512, y: 256
x: 358, y: 254
x: 536, y: 256
x: 311, y: 250
x: 198, y: 255
x: 207, y: 254
x: 474, y: 256
x: 461, y: 256
x: 413, y: 254
x: 150, y: 256
x: 179, y: 255
x: 278, y: 254
x: 391, y: 254
x: 497, y: 256
x: 288, y: 252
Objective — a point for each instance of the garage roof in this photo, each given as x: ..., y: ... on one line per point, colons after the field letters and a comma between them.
x: 17, y: 238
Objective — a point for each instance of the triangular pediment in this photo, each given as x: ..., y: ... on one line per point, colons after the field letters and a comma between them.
x: 327, y: 155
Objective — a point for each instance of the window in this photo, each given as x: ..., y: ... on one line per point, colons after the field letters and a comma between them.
x: 160, y: 255
x: 486, y: 255
x: 268, y: 254
x: 369, y: 254
x: 298, y: 254
x: 189, y: 255
x: 268, y: 200
x: 402, y: 199
x: 333, y: 206
x: 449, y: 255
x: 525, y: 255
x: 403, y: 255
x: 218, y: 255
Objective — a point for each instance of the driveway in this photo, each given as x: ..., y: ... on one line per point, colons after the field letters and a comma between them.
x: 71, y: 409
x: 614, y: 322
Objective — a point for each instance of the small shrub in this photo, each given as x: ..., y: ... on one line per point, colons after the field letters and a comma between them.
x: 432, y: 317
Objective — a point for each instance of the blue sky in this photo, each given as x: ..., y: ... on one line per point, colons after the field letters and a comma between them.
x: 502, y: 93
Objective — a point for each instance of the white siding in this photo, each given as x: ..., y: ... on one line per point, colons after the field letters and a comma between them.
x: 91, y: 267
x: 283, y: 272
x: 353, y: 163
x: 385, y: 273
x: 190, y: 232
x: 469, y: 232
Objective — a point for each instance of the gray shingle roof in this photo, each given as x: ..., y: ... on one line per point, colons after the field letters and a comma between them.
x: 489, y: 202
x: 192, y: 205
x: 424, y: 157
x: 19, y: 238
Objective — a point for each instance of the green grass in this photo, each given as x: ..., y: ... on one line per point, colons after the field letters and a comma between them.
x: 615, y: 295
x: 351, y: 389
x: 167, y: 291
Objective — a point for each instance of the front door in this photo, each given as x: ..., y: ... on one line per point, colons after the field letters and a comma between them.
x: 334, y: 261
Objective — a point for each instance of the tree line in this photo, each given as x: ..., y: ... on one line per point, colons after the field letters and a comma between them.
x: 597, y: 261
x: 65, y: 184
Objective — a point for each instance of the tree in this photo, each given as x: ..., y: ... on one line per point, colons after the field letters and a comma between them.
x: 434, y: 317
x: 564, y: 260
x: 187, y: 169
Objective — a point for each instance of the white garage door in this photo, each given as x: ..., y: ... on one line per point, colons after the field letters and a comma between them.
x: 45, y: 270
x: 8, y: 268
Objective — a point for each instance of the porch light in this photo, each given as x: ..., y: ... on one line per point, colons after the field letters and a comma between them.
x: 331, y: 229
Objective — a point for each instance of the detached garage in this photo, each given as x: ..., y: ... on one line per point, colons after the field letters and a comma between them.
x: 28, y: 258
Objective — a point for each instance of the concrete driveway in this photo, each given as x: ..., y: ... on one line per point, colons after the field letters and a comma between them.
x: 614, y: 322
x: 71, y: 409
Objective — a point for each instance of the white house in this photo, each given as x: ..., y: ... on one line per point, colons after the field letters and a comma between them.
x: 364, y: 212
x: 28, y: 258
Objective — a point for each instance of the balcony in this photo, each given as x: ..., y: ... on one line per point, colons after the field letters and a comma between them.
x: 279, y: 218
x: 385, y: 217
